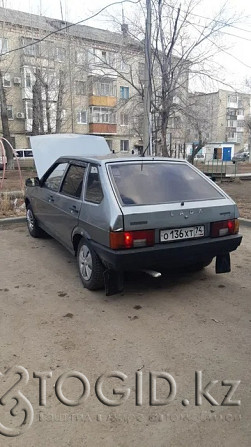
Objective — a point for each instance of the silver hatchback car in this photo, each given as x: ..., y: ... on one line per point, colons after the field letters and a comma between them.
x: 140, y: 213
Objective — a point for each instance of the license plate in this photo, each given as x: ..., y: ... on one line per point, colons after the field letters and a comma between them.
x: 176, y: 234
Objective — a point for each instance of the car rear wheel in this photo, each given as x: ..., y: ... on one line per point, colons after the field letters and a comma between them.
x: 32, y: 225
x: 90, y: 267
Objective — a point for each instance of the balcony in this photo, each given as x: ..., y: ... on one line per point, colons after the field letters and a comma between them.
x: 102, y: 128
x: 102, y: 101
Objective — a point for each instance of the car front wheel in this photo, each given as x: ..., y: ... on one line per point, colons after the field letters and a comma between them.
x: 32, y: 225
x: 90, y: 267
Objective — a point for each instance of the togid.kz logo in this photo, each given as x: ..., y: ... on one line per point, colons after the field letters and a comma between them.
x: 17, y: 415
x: 11, y: 397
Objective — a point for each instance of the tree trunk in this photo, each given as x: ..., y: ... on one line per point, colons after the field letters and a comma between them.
x: 47, y: 108
x: 37, y: 106
x: 5, y: 125
x: 60, y: 103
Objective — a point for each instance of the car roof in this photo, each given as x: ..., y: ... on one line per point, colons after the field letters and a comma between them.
x: 101, y: 160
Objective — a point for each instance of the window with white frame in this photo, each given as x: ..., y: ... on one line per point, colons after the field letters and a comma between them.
x: 3, y: 45
x: 124, y: 92
x: 104, y: 88
x: 124, y: 119
x: 232, y: 98
x: 27, y: 80
x: 80, y: 88
x: 6, y: 80
x: 82, y: 117
x: 124, y: 145
x: 10, y: 112
x: 100, y: 57
x: 102, y: 115
x: 32, y: 47
x: 60, y: 54
x: 124, y: 65
x: 29, y: 110
x: 81, y: 57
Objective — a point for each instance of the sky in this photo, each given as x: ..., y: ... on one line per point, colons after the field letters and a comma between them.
x: 235, y: 60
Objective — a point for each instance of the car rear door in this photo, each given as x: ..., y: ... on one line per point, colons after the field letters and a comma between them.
x: 68, y: 202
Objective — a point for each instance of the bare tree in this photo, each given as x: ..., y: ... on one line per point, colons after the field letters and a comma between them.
x: 183, y: 48
x: 5, y: 124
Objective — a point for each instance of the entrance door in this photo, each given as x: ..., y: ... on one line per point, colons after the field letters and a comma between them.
x: 226, y: 153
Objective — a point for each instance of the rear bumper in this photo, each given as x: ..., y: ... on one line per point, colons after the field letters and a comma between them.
x: 167, y: 255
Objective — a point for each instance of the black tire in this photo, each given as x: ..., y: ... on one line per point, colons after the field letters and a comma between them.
x: 89, y: 266
x: 32, y: 225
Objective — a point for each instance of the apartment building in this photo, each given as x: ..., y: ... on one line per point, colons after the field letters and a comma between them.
x: 222, y: 117
x: 63, y: 78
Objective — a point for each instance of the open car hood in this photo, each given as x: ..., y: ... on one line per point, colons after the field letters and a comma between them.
x: 48, y: 148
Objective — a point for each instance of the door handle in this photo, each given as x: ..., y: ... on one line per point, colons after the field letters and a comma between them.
x: 51, y: 199
x: 74, y: 209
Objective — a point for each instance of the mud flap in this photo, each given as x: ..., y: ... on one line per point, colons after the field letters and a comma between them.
x: 114, y: 282
x: 223, y: 264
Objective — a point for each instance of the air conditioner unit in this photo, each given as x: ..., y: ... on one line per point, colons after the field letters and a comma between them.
x: 20, y: 115
x: 17, y: 80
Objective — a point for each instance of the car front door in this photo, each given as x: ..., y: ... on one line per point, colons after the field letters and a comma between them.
x: 45, y: 202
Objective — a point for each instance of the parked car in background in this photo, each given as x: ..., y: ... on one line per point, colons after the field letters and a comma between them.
x: 24, y: 153
x: 240, y: 156
x: 200, y: 158
x: 25, y: 158
x: 137, y: 213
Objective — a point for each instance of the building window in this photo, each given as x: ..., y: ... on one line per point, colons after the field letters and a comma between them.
x: 124, y: 92
x: 29, y: 110
x: 60, y: 54
x: 80, y: 88
x: 10, y: 112
x: 124, y: 66
x: 232, y: 98
x: 27, y: 80
x: 104, y: 89
x: 109, y: 142
x: 124, y: 145
x: 102, y: 57
x: 124, y: 119
x: 6, y: 80
x: 141, y: 70
x: 81, y: 57
x: 3, y: 45
x: 82, y: 117
x: 31, y: 47
x: 102, y: 115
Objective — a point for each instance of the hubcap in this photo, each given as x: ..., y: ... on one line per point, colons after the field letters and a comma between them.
x: 30, y: 220
x: 85, y: 262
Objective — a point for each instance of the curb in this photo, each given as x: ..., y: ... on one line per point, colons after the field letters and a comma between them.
x: 12, y: 220
x: 245, y: 222
x: 22, y: 219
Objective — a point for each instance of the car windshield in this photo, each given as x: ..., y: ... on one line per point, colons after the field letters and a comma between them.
x: 148, y: 183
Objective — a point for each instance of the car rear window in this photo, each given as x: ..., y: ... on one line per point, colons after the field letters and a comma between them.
x: 148, y: 183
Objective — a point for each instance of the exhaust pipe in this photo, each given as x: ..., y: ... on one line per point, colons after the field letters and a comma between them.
x: 152, y: 273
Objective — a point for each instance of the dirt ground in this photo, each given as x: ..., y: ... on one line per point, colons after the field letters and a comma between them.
x: 239, y: 190
x: 177, y: 325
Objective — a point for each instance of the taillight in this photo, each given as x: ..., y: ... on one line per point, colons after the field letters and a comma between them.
x: 131, y: 239
x: 224, y: 227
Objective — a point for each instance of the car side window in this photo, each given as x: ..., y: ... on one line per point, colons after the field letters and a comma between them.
x: 53, y: 181
x: 73, y: 182
x: 94, y: 192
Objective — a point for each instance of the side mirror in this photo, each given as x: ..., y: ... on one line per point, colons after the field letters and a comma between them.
x: 32, y: 181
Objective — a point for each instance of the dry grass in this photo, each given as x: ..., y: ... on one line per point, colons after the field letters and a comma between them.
x: 10, y: 206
